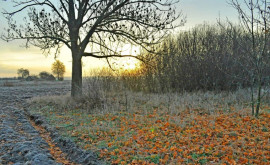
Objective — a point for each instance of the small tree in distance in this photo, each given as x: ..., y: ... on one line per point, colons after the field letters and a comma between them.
x: 59, y: 69
x: 23, y: 73
x: 46, y: 76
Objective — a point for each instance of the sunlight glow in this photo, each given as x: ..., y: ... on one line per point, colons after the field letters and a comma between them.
x: 128, y: 63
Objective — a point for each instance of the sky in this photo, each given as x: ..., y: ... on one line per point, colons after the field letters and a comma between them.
x: 13, y: 55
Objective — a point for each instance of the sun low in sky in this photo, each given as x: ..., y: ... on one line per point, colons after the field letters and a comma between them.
x: 13, y: 55
x: 130, y: 64
x: 127, y: 63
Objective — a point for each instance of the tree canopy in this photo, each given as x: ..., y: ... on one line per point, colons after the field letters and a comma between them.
x: 59, y: 69
x: 23, y: 73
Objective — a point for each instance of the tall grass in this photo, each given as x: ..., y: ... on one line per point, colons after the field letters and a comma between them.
x: 112, y: 94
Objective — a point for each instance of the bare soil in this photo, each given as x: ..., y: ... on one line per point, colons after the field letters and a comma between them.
x: 20, y: 141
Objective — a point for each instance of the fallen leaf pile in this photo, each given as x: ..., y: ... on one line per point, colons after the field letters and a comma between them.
x: 55, y: 151
x: 162, y: 138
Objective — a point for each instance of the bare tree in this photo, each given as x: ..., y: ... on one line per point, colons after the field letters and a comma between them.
x: 254, y: 16
x: 90, y: 25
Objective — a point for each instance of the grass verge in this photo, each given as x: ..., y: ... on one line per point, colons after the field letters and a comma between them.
x: 137, y: 128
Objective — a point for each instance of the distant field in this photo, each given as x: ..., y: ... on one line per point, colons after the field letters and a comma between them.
x: 11, y: 83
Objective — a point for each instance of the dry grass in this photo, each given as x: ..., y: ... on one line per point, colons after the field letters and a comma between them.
x: 146, y: 128
x: 8, y: 84
x: 99, y: 100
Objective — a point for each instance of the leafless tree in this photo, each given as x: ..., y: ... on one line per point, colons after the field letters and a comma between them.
x: 84, y: 25
x: 207, y: 57
x: 254, y: 16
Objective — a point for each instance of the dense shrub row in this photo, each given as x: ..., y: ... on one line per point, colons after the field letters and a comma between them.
x: 208, y: 57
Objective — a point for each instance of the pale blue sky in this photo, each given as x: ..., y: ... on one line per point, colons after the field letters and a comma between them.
x: 198, y: 11
x: 14, y: 56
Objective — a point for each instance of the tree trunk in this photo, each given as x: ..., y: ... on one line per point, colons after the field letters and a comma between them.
x: 259, y: 97
x: 252, y: 98
x: 76, y: 84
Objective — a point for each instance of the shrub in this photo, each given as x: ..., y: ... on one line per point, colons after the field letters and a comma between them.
x: 32, y: 78
x: 46, y: 76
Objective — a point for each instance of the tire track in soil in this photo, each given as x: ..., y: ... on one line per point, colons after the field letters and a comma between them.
x: 55, y: 151
x: 20, y: 142
x: 24, y: 141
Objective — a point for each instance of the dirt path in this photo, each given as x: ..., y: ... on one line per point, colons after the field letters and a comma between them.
x: 22, y: 142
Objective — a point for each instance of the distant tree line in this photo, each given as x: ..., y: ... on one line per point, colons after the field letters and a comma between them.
x: 24, y: 74
x: 58, y: 69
